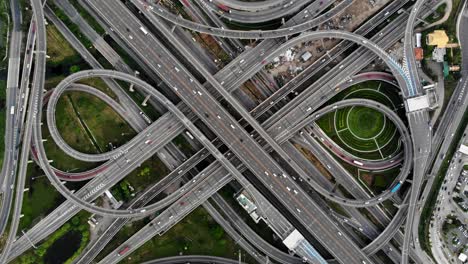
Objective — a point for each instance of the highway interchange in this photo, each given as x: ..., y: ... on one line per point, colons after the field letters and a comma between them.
x: 259, y: 143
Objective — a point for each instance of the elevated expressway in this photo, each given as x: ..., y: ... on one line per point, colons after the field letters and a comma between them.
x: 253, y: 34
x: 32, y: 117
x: 302, y: 38
x: 49, y: 104
x: 346, y: 156
x: 69, y: 80
x: 8, y: 173
x: 260, y: 16
x: 421, y: 132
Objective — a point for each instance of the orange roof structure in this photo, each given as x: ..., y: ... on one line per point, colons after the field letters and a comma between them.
x: 418, y: 54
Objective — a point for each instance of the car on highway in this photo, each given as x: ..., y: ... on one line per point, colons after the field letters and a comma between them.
x: 124, y: 250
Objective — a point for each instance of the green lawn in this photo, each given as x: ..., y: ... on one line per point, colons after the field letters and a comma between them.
x: 150, y: 171
x: 362, y: 130
x: 58, y: 48
x: 365, y: 122
x: 40, y: 199
x: 73, y: 134
x: 103, y: 122
x: 4, y: 25
x: 357, y: 144
x: 387, y: 134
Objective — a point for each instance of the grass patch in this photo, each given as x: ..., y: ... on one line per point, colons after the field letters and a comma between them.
x: 150, y: 171
x: 73, y: 134
x: 4, y: 25
x: 365, y: 122
x: 41, y: 198
x: 58, y: 48
x: 105, y: 125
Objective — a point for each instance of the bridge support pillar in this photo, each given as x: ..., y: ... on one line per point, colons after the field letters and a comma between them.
x: 146, y: 100
x: 136, y: 73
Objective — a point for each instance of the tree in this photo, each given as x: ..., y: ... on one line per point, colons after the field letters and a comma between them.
x: 74, y: 68
x: 28, y: 259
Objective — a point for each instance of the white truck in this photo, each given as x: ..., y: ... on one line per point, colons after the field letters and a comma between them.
x: 144, y: 30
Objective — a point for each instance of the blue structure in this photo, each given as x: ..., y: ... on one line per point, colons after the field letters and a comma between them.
x: 394, y: 189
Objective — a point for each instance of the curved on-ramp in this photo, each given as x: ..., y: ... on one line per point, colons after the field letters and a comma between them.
x: 253, y: 34
x: 406, y: 139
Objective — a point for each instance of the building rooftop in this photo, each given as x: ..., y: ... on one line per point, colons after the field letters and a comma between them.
x: 438, y: 54
x: 418, y: 54
x: 437, y: 38
x: 462, y: 257
x: 306, y: 56
x: 246, y: 203
x: 417, y: 103
x: 293, y: 240
x: 463, y: 149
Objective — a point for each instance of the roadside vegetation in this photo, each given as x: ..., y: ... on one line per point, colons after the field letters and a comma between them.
x: 63, y: 246
x: 3, y: 113
x: 4, y: 26
x: 40, y: 199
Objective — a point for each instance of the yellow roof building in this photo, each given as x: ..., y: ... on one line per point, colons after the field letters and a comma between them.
x: 437, y: 38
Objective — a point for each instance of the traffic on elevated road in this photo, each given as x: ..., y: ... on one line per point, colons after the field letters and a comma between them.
x: 227, y: 131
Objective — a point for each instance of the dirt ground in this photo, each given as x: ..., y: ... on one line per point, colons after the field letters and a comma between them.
x: 350, y: 19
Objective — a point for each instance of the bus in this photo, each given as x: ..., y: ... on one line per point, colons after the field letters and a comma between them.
x: 395, y: 189
x: 224, y: 8
x: 189, y: 135
x: 358, y: 162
